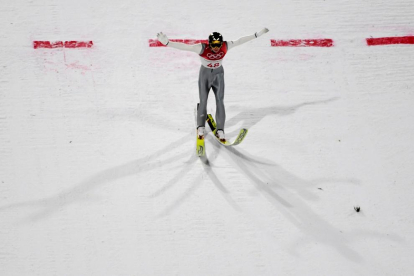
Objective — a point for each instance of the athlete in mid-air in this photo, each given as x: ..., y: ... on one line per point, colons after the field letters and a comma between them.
x: 211, y: 74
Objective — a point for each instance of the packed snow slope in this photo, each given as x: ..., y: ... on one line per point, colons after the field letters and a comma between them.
x: 98, y: 172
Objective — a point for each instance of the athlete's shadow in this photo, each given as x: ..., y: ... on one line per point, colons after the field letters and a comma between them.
x: 45, y: 207
x: 289, y: 194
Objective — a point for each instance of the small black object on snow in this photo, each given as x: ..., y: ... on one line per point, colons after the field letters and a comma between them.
x: 357, y: 208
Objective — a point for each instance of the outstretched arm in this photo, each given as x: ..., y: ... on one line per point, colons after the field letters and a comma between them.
x: 233, y: 43
x: 196, y: 48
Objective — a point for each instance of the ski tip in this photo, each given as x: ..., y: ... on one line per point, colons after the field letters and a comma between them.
x: 200, y: 149
x: 200, y: 152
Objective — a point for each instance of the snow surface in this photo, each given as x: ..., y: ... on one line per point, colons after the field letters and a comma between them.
x: 98, y: 173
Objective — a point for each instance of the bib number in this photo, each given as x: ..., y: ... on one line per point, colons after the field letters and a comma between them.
x: 215, y: 65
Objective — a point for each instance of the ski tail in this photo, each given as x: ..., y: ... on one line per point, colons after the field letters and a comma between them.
x: 211, y: 122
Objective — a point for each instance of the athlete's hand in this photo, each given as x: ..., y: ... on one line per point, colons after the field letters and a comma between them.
x: 163, y: 38
x: 265, y: 30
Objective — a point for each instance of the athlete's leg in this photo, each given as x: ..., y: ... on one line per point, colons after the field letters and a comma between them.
x: 203, y: 90
x: 218, y: 88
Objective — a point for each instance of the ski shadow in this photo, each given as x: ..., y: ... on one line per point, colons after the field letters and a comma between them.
x: 252, y: 116
x: 83, y: 192
x: 289, y: 195
x: 207, y: 164
x: 209, y: 171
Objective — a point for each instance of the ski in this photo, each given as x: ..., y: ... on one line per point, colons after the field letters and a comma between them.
x: 213, y: 127
x: 200, y: 145
x: 200, y: 149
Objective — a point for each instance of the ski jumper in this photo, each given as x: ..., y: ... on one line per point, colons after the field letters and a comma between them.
x: 211, y: 76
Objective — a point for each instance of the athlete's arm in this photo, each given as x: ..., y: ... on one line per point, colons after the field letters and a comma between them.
x: 196, y: 48
x: 233, y: 43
